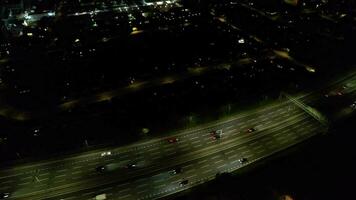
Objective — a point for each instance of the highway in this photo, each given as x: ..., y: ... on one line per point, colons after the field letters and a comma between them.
x: 278, y: 126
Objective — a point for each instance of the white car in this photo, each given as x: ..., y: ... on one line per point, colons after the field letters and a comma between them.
x: 100, y: 197
x: 4, y: 195
x: 106, y: 153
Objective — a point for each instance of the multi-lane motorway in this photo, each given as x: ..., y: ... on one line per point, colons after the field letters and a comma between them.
x: 199, y: 155
x: 278, y: 126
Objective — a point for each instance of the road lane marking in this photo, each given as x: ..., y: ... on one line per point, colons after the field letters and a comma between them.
x: 229, y: 127
x: 26, y: 183
x: 61, y: 175
x: 221, y: 166
x: 193, y: 138
x: 214, y: 157
x: 142, y: 191
x: 25, y: 178
x: 204, y: 166
x: 159, y: 180
x: 127, y: 195
x: 63, y: 170
x: 202, y: 161
x: 219, y: 161
x: 189, y: 177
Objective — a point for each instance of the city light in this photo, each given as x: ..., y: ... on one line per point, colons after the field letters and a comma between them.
x: 154, y: 99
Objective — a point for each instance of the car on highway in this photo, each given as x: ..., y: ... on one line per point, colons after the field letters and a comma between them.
x: 106, y: 153
x: 251, y: 130
x: 172, y: 140
x: 101, y: 168
x: 100, y: 197
x: 216, y: 134
x: 183, y: 182
x: 4, y: 195
x: 353, y: 105
x: 242, y: 160
x: 176, y: 170
x: 131, y: 166
x: 108, y: 167
x: 336, y: 92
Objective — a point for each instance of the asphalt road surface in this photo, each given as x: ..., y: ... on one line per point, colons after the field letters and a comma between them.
x: 278, y: 126
x: 155, y: 159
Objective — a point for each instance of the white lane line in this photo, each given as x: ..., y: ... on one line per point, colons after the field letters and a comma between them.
x: 127, y: 195
x: 193, y: 138
x: 73, y: 197
x: 197, y: 141
x: 229, y: 127
x: 183, y: 144
x: 61, y: 175
x: 60, y: 180
x: 211, y: 141
x: 63, y: 170
x: 230, y: 152
x: 219, y: 161
x: 44, y: 174
x: 217, y: 156
x: 26, y: 183
x: 153, y: 149
x: 29, y: 177
x: 159, y: 180
x: 105, y: 189
x: 189, y: 177
x: 189, y: 165
x: 253, y: 143
x: 221, y: 166
x: 142, y: 191
x: 204, y: 166
x: 260, y: 151
x: 8, y: 181
x: 87, y: 193
x: 245, y: 152
x: 202, y: 161
x: 269, y: 122
x: 189, y: 170
x: 258, y: 147
x: 123, y: 190
x: 44, y: 179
